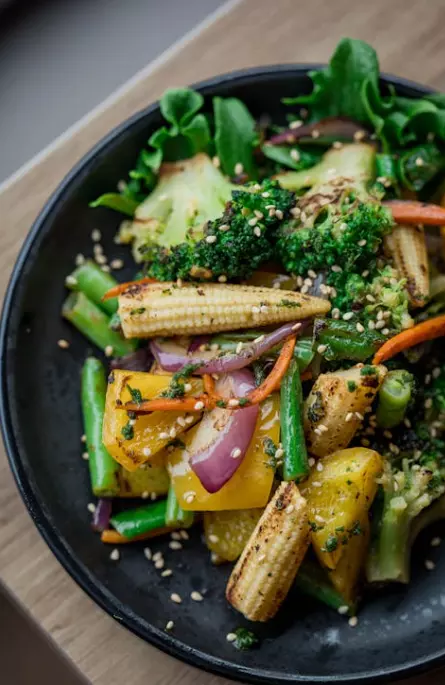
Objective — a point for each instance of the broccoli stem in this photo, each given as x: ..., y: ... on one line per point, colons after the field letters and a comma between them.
x: 394, y: 398
x: 389, y: 554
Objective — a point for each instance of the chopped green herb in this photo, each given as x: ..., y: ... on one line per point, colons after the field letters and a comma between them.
x: 128, y: 431
x: 289, y: 303
x: 243, y: 401
x: 176, y: 387
x: 269, y: 447
x: 139, y: 310
x: 352, y: 385
x: 177, y: 442
x: 368, y: 371
x: 331, y: 543
x: 316, y: 410
x: 136, y: 395
x: 221, y: 404
x: 314, y: 526
x: 245, y: 639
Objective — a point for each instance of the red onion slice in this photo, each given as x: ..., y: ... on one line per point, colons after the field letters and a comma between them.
x: 102, y: 514
x: 224, y: 436
x: 172, y: 361
x: 140, y: 360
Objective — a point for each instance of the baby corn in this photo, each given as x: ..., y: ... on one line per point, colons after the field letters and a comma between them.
x: 407, y: 246
x: 164, y: 309
x: 269, y: 563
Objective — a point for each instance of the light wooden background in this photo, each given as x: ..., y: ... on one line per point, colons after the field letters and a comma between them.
x: 409, y: 37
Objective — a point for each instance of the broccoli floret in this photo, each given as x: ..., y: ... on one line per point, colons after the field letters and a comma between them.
x: 338, y: 229
x: 231, y: 246
x: 188, y: 194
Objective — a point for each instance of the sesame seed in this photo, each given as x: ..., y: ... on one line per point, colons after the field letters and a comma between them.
x: 199, y: 405
x: 295, y: 211
x: 419, y: 161
x: 316, y: 484
x: 63, y: 344
x: 315, y: 133
x: 308, y: 281
x: 157, y: 555
x: 335, y: 313
x: 319, y: 518
x: 320, y: 466
x: 387, y: 434
x: 172, y: 433
x: 393, y: 448
x: 279, y: 453
x: 430, y: 565
x: 295, y: 155
x: 146, y: 452
x: 175, y: 598
x: 407, y: 422
x: 98, y: 249
x: 311, y: 461
x: 211, y: 239
x: 166, y: 573
x: 163, y: 435
x: 159, y: 563
x: 109, y: 351
x: 169, y: 625
x: 435, y: 542
x: 257, y: 231
x: 304, y: 289
x: 365, y: 273
x: 343, y: 610
x: 336, y: 269
x: 428, y: 403
x: 80, y: 259
x: 337, y: 144
x: 295, y: 124
x: 216, y: 161
x: 370, y: 298
x: 175, y: 535
x: 253, y: 222
x: 70, y: 280
x: 380, y: 324
x: 145, y: 494
x: 365, y: 442
x: 255, y: 310
x: 359, y: 135
x: 436, y: 372
x: 265, y: 194
x: 224, y: 227
x: 147, y: 553
x: 231, y: 637
x: 239, y: 347
x: 91, y: 507
x: 189, y: 497
x: 101, y: 259
x: 187, y: 388
x: 348, y: 316
x: 353, y: 621
x: 322, y: 428
x: 362, y: 243
x: 279, y: 214
x: 83, y: 438
x: 115, y: 554
x: 117, y: 263
x: 175, y: 545
x: 189, y: 419
x: 349, y: 416
x: 289, y: 509
x: 222, y: 279
x: 236, y: 453
x: 264, y: 309
x: 85, y: 456
x: 296, y: 326
x: 96, y: 235
x: 360, y: 328
x: 239, y: 168
x: 385, y: 331
x: 196, y: 596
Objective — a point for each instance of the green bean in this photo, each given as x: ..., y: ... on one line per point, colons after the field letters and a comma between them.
x: 175, y: 516
x: 313, y: 581
x: 134, y: 522
x: 304, y: 353
x: 295, y: 460
x: 394, y: 397
x: 94, y: 283
x: 104, y: 469
x: 342, y: 340
x: 385, y: 168
x: 94, y: 324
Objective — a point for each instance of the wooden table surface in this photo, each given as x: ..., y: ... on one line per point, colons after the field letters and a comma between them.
x: 408, y: 35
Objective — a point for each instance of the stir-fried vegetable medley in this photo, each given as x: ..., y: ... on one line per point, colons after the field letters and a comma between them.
x: 277, y: 367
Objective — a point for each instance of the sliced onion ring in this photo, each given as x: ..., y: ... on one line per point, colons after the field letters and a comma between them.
x: 224, y: 436
x: 171, y: 361
x: 102, y: 514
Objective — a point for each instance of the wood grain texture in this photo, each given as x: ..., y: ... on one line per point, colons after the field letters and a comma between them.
x: 408, y: 35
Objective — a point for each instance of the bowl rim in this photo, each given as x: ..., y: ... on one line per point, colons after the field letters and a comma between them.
x: 37, y: 509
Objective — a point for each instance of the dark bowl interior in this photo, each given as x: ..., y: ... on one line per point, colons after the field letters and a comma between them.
x: 401, y: 630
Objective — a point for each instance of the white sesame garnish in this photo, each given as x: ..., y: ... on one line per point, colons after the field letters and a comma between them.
x: 257, y: 231
x: 216, y: 161
x: 428, y: 403
x: 199, y: 405
x: 100, y: 259
x: 222, y: 279
x: 322, y: 428
x: 359, y: 135
x: 360, y: 328
x: 166, y: 573
x: 353, y: 621
x: 159, y: 563
x: 320, y: 466
x: 289, y: 509
x: 255, y: 310
x: 91, y: 507
x: 371, y: 325
x: 175, y: 545
x: 349, y: 416
x: 279, y: 214
x: 63, y: 344
x: 224, y: 227
x: 175, y: 598
x: 147, y: 553
x: 336, y: 269
x: 71, y: 280
x: 157, y: 555
x: 196, y: 596
x: 436, y: 372
x: 279, y: 453
x: 85, y: 456
x: 115, y: 554
x: 95, y: 235
x: 316, y: 484
x: 236, y: 453
x: 109, y: 351
x: 145, y: 494
x: 231, y: 637
x: 348, y: 316
x: 80, y: 259
x: 343, y: 609
x: 169, y: 625
x: 117, y: 263
x: 335, y: 313
x: 419, y: 161
x: 233, y: 403
x: 380, y: 324
x: 295, y: 124
x: 435, y: 542
x: 430, y: 565
x: 311, y: 461
x: 319, y: 518
x: 163, y: 435
x: 189, y: 497
x: 359, y: 416
x: 211, y: 239
x: 146, y: 452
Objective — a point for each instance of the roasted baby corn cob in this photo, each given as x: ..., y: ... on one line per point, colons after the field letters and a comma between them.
x: 165, y: 309
x: 269, y: 563
x: 407, y: 246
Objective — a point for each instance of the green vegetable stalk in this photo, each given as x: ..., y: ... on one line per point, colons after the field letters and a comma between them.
x: 135, y: 522
x: 394, y: 398
x: 343, y: 341
x: 313, y: 581
x: 104, y: 469
x: 94, y: 283
x: 175, y: 516
x: 295, y: 460
x: 94, y: 324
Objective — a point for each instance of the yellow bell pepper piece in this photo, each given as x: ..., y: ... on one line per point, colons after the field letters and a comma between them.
x: 148, y: 428
x: 151, y: 477
x: 227, y: 532
x: 339, y: 497
x: 250, y: 485
x: 346, y: 577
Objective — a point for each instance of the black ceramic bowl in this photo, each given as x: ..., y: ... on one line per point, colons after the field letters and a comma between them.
x: 400, y: 631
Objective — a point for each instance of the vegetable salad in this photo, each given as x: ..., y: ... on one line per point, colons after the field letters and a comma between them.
x: 275, y: 372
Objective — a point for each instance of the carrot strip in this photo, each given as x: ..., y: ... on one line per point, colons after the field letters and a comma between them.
x: 273, y: 380
x: 427, y: 330
x: 412, y: 212
x: 122, y: 287
x: 112, y: 537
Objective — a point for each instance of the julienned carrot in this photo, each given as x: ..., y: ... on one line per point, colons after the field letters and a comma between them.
x: 112, y: 537
x: 412, y: 212
x: 122, y: 287
x: 427, y: 330
x: 210, y: 399
x: 273, y: 380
